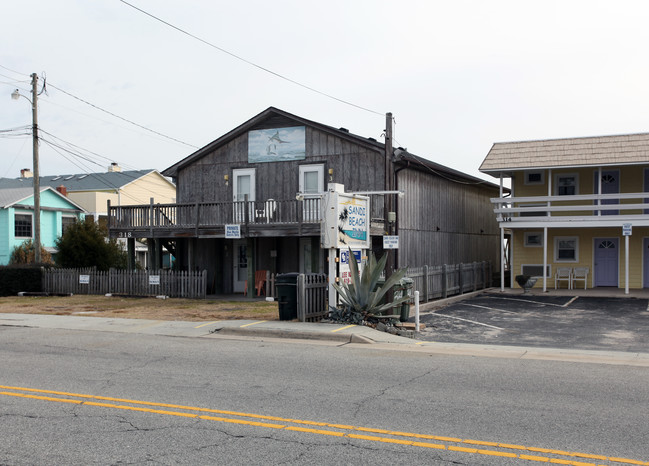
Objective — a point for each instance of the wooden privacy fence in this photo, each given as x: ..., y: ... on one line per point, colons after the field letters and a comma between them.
x: 312, y: 297
x: 446, y: 280
x: 171, y: 283
x: 311, y: 290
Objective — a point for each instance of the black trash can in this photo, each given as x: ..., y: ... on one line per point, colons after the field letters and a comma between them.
x: 286, y: 284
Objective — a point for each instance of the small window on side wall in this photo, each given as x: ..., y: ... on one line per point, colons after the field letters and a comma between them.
x: 533, y: 239
x: 535, y: 177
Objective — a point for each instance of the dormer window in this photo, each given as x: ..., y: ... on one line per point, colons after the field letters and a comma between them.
x: 535, y: 177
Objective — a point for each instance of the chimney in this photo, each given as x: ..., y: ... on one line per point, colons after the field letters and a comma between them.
x: 26, y: 173
x: 114, y: 167
x: 62, y: 189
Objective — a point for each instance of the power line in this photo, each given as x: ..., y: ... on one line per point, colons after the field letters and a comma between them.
x: 121, y: 118
x: 220, y: 49
x: 102, y: 109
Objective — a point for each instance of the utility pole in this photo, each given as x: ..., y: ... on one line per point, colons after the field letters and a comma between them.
x: 37, y: 180
x: 389, y: 186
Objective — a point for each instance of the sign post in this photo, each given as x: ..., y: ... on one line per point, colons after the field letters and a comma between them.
x: 346, y: 225
x: 626, y: 231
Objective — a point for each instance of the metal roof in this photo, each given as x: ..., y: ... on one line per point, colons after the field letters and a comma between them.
x: 106, y: 181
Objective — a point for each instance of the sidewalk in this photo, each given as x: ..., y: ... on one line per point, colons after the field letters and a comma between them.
x: 351, y: 335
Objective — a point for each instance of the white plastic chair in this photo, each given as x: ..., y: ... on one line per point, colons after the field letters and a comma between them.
x: 563, y: 274
x: 580, y: 273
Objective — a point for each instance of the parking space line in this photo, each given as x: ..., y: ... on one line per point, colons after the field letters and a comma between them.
x: 490, y: 308
x: 574, y: 298
x: 466, y: 320
x: 528, y: 301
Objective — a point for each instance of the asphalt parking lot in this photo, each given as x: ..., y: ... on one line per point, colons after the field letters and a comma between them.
x: 571, y: 322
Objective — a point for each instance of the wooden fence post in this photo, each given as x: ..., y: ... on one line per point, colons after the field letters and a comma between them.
x: 301, y: 298
x: 425, y: 283
x: 444, y: 281
x: 461, y: 279
x: 475, y: 276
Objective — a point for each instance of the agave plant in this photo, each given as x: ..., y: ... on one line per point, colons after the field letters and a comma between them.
x: 362, y: 298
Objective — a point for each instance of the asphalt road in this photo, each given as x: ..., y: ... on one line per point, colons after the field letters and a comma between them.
x: 85, y: 397
x: 588, y: 323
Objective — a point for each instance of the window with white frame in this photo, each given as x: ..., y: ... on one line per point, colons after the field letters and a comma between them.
x: 566, y: 249
x: 533, y: 239
x: 566, y: 184
x: 23, y: 225
x: 534, y: 177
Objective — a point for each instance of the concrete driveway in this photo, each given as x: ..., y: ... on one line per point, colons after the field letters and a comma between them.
x: 550, y: 321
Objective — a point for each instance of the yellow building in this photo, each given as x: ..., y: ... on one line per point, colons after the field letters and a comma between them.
x: 578, y: 214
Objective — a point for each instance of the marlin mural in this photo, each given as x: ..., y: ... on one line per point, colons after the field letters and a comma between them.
x: 271, y: 147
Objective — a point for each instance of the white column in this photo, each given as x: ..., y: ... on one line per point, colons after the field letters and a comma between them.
x: 545, y: 258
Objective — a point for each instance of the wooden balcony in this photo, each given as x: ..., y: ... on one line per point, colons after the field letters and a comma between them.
x: 207, y: 220
x: 578, y: 211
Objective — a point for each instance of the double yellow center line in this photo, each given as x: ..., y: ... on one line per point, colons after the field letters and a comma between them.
x: 322, y: 428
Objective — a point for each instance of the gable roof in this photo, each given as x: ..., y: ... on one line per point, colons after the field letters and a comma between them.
x: 267, y: 114
x: 597, y: 151
x: 10, y: 197
x: 105, y: 181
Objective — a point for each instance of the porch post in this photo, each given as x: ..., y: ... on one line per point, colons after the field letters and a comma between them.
x: 502, y: 259
x: 545, y: 258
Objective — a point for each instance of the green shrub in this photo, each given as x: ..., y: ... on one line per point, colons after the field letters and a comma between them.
x: 17, y: 278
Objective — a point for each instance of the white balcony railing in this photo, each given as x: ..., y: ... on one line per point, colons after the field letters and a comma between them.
x: 583, y: 210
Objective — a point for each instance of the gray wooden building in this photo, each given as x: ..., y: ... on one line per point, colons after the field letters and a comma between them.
x: 250, y: 177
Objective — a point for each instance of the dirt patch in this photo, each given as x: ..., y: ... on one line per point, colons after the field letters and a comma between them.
x: 141, y: 308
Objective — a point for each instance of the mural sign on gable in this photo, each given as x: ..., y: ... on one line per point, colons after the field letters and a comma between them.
x: 277, y: 144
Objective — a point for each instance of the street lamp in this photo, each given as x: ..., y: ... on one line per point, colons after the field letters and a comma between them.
x: 37, y: 189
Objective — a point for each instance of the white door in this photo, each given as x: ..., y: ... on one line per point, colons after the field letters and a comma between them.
x: 243, y: 184
x: 311, y: 182
x: 240, y: 274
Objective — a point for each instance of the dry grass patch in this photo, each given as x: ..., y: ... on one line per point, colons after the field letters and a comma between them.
x: 141, y: 308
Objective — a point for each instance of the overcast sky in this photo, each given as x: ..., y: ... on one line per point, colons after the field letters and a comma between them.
x: 456, y: 75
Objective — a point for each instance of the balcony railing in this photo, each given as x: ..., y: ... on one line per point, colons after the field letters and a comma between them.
x: 214, y: 214
x: 579, y: 210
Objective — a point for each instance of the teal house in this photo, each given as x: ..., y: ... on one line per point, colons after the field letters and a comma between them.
x: 17, y: 218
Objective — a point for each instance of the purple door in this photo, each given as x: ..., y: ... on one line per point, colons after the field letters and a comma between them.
x: 610, y: 185
x: 606, y: 262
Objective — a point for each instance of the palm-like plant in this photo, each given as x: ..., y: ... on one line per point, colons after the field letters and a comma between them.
x: 362, y: 297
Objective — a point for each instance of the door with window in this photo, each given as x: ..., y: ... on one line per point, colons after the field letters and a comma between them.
x: 311, y: 182
x: 610, y: 182
x: 243, y: 184
x: 606, y: 262
x: 240, y: 274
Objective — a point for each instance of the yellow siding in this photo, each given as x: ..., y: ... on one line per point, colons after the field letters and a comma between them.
x: 534, y: 255
x: 149, y: 186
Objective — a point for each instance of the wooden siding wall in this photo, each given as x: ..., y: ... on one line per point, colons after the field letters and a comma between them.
x: 354, y: 165
x: 445, y: 222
